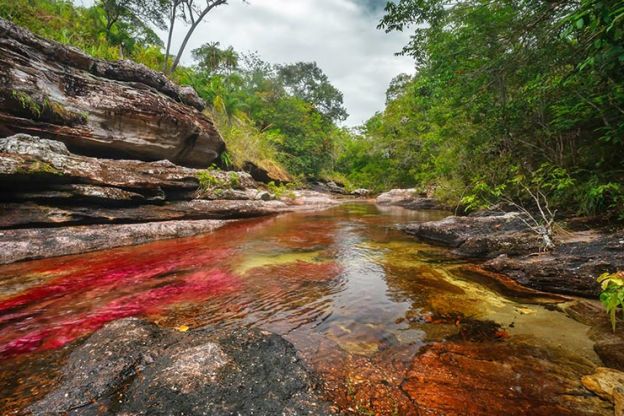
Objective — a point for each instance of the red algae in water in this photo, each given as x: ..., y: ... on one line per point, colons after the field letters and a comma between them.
x: 107, y: 275
x: 196, y: 286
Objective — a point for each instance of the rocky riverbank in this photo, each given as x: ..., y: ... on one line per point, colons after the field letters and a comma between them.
x: 133, y: 367
x: 502, y: 242
x: 508, y: 246
x: 58, y: 203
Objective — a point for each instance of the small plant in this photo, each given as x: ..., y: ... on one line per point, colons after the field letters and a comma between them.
x: 281, y: 190
x: 27, y: 103
x: 539, y: 217
x: 207, y: 180
x: 226, y: 159
x: 84, y: 117
x: 612, y: 296
x: 234, y: 180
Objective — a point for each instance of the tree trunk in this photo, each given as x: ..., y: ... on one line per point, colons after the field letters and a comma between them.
x: 183, y: 46
x: 109, y: 26
x: 169, y: 38
x: 191, y: 30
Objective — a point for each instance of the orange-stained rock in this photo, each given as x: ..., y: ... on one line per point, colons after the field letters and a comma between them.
x: 498, y: 379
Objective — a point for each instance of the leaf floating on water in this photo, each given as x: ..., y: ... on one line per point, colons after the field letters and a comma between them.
x: 182, y: 328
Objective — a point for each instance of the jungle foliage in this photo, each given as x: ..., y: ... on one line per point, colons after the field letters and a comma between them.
x: 507, y: 96
x: 505, y: 92
x: 280, y: 117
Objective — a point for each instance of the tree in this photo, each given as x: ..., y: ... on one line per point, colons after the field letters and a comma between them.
x: 174, y: 12
x: 192, y: 13
x: 308, y: 82
x: 215, y: 60
x: 133, y: 11
x: 397, y: 87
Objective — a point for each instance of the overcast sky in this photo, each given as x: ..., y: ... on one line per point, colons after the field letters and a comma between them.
x: 340, y: 35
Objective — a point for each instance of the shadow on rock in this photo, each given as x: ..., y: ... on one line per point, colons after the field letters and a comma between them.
x: 133, y: 367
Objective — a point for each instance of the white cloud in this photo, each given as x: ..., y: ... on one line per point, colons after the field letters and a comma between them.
x: 340, y: 35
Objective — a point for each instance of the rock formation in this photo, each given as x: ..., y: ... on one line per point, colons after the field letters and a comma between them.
x: 108, y: 109
x: 132, y: 367
x: 57, y: 203
x: 410, y: 199
x: 511, y: 248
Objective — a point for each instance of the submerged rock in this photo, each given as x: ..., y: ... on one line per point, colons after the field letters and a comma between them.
x: 499, y: 378
x: 514, y: 250
x: 410, y: 199
x: 111, y: 109
x: 132, y: 367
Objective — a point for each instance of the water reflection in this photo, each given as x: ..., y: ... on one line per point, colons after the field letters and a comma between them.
x: 366, y: 306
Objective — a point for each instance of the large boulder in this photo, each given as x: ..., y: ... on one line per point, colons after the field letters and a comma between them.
x: 133, y: 367
x: 571, y: 267
x: 110, y: 109
x: 410, y: 199
x: 478, y: 236
x: 511, y: 248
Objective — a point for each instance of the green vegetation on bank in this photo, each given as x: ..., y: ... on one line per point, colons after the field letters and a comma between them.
x: 282, y: 118
x: 510, y: 98
x: 612, y: 296
x: 506, y: 93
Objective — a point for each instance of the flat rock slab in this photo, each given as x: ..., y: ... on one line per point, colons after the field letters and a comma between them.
x: 37, y: 243
x: 29, y: 215
x: 478, y: 236
x: 512, y: 249
x: 135, y: 368
x: 410, y: 199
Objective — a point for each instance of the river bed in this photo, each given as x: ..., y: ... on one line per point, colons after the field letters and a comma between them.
x: 391, y: 325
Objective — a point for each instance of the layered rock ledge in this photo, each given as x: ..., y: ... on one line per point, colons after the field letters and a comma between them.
x: 133, y: 367
x: 56, y: 203
x: 111, y: 109
x: 511, y: 248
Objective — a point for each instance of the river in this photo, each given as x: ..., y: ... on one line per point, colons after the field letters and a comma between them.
x: 392, y: 326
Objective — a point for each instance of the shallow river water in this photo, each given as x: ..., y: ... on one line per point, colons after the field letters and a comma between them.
x: 392, y: 326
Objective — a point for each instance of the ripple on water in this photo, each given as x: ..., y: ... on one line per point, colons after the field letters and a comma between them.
x: 393, y: 326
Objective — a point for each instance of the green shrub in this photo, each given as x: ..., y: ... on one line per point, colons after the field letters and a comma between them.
x: 281, y: 190
x: 234, y: 180
x: 207, y: 180
x: 612, y: 296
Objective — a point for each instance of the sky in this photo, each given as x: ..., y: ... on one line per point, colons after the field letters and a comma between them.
x: 339, y: 35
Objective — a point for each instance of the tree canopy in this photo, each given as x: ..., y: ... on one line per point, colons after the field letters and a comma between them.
x: 505, y: 92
